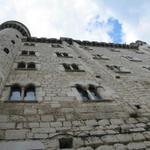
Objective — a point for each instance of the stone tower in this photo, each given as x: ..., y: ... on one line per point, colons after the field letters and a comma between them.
x: 70, y: 94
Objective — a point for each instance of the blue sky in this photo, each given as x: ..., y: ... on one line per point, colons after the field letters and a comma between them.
x: 118, y: 21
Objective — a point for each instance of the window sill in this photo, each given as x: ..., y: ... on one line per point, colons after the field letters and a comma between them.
x: 9, y: 101
x: 98, y: 101
x: 75, y: 70
x: 19, y: 69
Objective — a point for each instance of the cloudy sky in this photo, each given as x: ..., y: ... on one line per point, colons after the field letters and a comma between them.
x: 118, y: 21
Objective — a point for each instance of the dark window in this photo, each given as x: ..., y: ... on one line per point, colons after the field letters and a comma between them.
x: 65, y: 143
x: 6, y: 50
x: 32, y: 53
x: 15, y: 93
x: 24, y: 53
x: 12, y: 41
x: 83, y: 93
x: 67, y: 67
x: 17, y: 36
x: 65, y: 55
x: 31, y: 65
x: 29, y: 93
x: 94, y: 93
x: 58, y: 54
x: 75, y: 67
x: 21, y: 65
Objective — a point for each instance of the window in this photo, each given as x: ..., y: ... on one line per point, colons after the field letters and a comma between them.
x: 97, y: 56
x: 72, y: 68
x: 88, y: 93
x: 29, y: 93
x: 94, y: 94
x: 32, y: 53
x: 21, y: 65
x: 24, y: 53
x: 86, y: 48
x: 31, y: 65
x: 114, y: 50
x: 12, y: 41
x: 56, y: 46
x: 18, y: 93
x: 132, y: 58
x: 6, y: 50
x: 28, y: 53
x: 146, y: 67
x: 63, y: 55
x: 118, y: 69
x: 65, y: 143
x: 29, y: 44
x: 83, y: 93
x: 15, y: 93
x: 26, y: 66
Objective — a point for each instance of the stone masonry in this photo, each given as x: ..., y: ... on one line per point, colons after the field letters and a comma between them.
x: 59, y: 118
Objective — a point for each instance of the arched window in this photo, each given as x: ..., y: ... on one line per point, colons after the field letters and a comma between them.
x: 24, y: 53
x: 15, y: 93
x: 75, y: 67
x: 29, y: 93
x: 6, y: 50
x: 94, y: 94
x: 31, y: 65
x: 67, y: 67
x: 83, y: 92
x: 21, y: 65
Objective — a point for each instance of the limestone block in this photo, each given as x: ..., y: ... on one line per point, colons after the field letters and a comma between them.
x: 136, y: 146
x: 16, y: 134
x: 105, y: 147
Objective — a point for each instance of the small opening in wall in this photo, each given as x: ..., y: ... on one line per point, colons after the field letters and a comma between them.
x: 65, y: 143
x: 98, y: 76
x: 117, y: 77
x: 6, y: 50
x: 17, y: 36
x: 137, y: 106
x: 12, y: 41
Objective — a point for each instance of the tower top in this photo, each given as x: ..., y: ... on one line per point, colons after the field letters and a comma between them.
x: 16, y: 25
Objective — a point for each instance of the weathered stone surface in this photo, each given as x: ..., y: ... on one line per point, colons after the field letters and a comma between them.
x: 120, y: 147
x: 21, y: 145
x: 136, y: 146
x: 16, y: 134
x: 43, y: 130
x: 105, y: 147
x: 109, y: 139
x: 85, y: 148
x: 124, y: 138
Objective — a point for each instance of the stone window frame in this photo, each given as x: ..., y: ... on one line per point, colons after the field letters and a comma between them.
x: 100, y: 56
x: 63, y: 54
x: 6, y: 50
x: 134, y: 59
x: 106, y: 92
x: 146, y: 67
x: 86, y: 48
x: 26, y: 66
x: 28, y: 53
x: 118, y: 69
x: 72, y: 67
x: 29, y: 44
x: 56, y: 46
x: 23, y: 88
x: 89, y: 95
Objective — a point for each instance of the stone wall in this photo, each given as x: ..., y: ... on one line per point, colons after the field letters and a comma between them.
x: 120, y: 121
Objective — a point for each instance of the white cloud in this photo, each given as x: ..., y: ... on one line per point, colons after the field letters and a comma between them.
x: 57, y: 18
